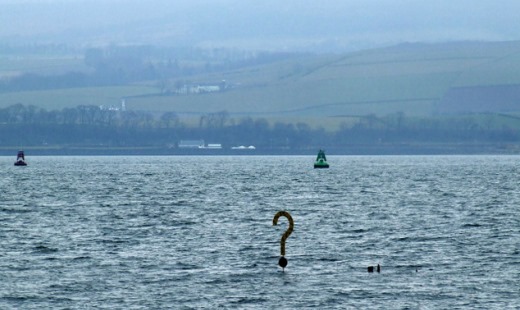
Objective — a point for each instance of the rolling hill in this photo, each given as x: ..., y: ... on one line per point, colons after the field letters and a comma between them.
x: 415, y: 79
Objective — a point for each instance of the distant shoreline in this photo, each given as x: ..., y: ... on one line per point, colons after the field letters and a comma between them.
x: 395, y: 149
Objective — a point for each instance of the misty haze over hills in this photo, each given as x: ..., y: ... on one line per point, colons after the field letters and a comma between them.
x: 291, y: 75
x: 304, y: 25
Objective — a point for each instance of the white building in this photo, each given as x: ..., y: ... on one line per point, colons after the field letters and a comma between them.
x: 191, y: 144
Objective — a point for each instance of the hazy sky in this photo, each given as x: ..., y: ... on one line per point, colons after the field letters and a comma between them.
x: 259, y: 23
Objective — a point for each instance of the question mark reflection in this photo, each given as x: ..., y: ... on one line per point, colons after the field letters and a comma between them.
x: 283, y: 261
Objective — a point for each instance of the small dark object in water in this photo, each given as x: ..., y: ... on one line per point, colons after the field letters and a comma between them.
x: 371, y: 268
x: 20, y: 163
x: 282, y: 262
x: 20, y: 159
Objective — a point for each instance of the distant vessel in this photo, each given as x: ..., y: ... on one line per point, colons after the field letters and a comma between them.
x: 20, y: 159
x: 321, y: 160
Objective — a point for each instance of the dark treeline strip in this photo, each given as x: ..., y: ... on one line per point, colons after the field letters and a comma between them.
x: 94, y: 126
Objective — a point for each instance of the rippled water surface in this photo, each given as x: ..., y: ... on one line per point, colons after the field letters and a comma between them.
x: 175, y: 232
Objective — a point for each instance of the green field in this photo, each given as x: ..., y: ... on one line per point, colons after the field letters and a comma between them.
x: 73, y: 97
x: 408, y: 78
x: 45, y: 65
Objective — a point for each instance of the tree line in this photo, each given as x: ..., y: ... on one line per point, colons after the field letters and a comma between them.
x: 95, y: 126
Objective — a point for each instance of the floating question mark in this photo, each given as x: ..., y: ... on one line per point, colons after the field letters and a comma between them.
x: 283, y: 261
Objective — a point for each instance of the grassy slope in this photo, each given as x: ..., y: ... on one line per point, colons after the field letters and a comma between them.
x: 408, y: 78
x: 12, y: 66
x: 72, y: 97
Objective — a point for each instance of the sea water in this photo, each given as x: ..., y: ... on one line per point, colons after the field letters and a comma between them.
x: 197, y: 232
